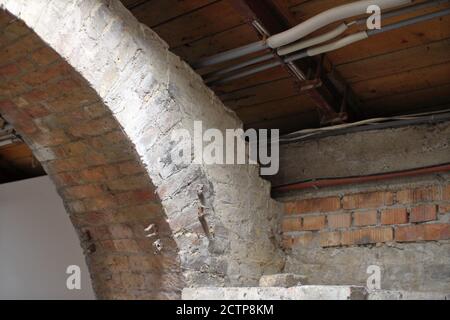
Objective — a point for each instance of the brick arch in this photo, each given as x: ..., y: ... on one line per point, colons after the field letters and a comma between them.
x: 95, y: 167
x: 148, y: 92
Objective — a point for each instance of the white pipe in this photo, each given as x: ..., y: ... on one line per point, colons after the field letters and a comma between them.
x: 327, y: 17
x: 313, y: 41
x: 337, y: 44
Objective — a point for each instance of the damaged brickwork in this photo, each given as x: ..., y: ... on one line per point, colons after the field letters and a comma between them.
x: 96, y: 95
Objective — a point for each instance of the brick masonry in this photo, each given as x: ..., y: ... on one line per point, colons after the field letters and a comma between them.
x: 401, y: 226
x: 96, y: 96
x: 411, y: 214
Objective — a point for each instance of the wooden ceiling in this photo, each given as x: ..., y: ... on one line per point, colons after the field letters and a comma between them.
x: 397, y: 72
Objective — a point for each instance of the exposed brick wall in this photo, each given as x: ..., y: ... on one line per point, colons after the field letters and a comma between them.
x: 124, y: 94
x: 402, y: 226
x: 405, y: 215
x: 93, y: 164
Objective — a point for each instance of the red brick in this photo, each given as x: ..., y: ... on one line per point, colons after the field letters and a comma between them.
x: 336, y: 221
x: 290, y: 207
x: 92, y: 218
x: 100, y: 233
x: 92, y: 174
x: 36, y: 96
x: 140, y: 263
x: 423, y: 232
x: 44, y: 56
x: 315, y: 205
x: 36, y: 111
x: 313, y: 223
x: 423, y: 213
x: 330, y: 239
x: 133, y: 280
x: 365, y: 218
x: 368, y: 200
x: 422, y: 194
x: 96, y: 159
x: 10, y: 70
x: 66, y: 179
x: 136, y: 197
x: 367, y: 236
x: 138, y: 213
x: 117, y: 263
x: 83, y: 191
x: 73, y: 149
x: 110, y: 282
x: 131, y: 167
x: 64, y: 165
x: 94, y: 127
x: 22, y: 122
x: 446, y: 193
x: 128, y: 183
x: 12, y: 88
x: 106, y: 246
x: 20, y: 48
x: 16, y: 29
x: 101, y: 202
x: 43, y: 76
x: 25, y: 64
x: 394, y: 216
x: 127, y: 245
x: 291, y: 224
x: 52, y: 138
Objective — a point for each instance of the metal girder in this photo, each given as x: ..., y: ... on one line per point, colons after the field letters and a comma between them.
x: 268, y: 18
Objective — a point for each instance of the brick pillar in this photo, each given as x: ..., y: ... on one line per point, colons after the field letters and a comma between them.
x: 100, y: 119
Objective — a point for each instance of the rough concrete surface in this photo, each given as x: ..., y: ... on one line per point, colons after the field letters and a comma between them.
x: 364, y: 153
x: 307, y: 293
x: 285, y: 280
x: 419, y: 267
x: 277, y: 293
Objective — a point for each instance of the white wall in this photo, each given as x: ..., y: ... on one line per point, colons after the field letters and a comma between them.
x: 37, y: 244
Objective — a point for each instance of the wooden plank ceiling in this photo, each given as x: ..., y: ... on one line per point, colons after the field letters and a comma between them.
x: 398, y: 72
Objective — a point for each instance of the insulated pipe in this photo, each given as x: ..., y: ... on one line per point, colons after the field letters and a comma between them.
x: 319, y: 39
x: 329, y: 16
x: 344, y: 26
x: 230, y: 54
x: 234, y: 53
x: 313, y: 41
x: 247, y: 73
x: 299, y: 31
x: 214, y: 76
x: 337, y: 44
